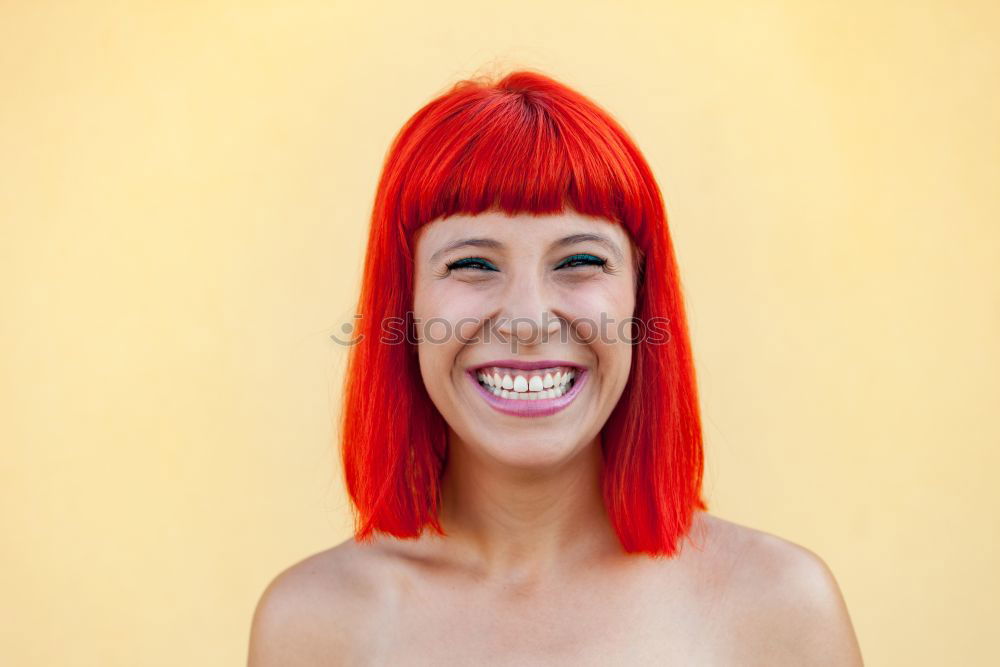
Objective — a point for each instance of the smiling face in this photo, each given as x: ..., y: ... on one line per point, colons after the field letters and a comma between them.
x: 523, y: 326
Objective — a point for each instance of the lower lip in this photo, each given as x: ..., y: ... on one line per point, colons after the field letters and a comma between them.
x: 540, y: 407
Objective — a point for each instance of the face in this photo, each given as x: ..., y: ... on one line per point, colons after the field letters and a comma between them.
x: 523, y: 327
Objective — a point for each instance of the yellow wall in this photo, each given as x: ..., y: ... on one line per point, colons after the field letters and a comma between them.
x: 184, y: 190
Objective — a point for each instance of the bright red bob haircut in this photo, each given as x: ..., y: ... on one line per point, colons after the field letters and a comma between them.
x: 523, y: 144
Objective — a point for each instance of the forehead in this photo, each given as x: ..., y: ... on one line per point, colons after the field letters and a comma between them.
x: 522, y: 230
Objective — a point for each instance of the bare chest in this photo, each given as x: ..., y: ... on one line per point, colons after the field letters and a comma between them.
x: 585, y: 622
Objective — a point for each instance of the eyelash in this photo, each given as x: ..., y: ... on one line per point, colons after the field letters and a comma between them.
x: 470, y: 262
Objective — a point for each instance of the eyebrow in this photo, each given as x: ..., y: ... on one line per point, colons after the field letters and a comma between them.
x: 572, y: 239
x: 467, y: 243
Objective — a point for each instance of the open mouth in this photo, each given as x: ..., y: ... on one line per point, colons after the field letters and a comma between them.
x: 534, y: 392
x: 516, y: 385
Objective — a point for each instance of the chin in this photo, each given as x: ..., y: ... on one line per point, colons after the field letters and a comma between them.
x: 527, y: 452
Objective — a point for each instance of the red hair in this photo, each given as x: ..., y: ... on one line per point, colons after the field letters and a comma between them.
x: 523, y: 144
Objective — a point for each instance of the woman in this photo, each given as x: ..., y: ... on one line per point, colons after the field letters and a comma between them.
x: 521, y: 436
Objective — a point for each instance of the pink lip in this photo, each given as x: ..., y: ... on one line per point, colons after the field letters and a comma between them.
x: 541, y: 407
x: 526, y: 365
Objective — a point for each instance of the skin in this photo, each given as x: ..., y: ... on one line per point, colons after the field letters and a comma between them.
x: 530, y: 571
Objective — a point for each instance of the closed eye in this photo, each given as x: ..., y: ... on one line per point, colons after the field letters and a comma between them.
x: 472, y: 263
x: 480, y: 264
x: 582, y: 260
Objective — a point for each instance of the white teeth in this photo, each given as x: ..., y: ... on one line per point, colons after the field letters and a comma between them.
x: 527, y: 388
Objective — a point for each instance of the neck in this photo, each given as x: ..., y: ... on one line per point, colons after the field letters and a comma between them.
x: 505, y: 521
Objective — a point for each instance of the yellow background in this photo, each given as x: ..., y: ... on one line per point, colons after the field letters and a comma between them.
x: 184, y: 194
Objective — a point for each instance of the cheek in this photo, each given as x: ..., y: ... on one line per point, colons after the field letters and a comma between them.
x: 450, y: 300
x: 444, y: 319
x: 601, y: 314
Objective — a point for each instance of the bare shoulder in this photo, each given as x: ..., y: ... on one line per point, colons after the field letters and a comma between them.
x: 314, y: 612
x: 786, y: 606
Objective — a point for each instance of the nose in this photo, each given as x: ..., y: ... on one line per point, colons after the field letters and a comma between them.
x: 526, y: 318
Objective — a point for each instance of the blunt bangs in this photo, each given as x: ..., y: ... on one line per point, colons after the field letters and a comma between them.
x: 523, y: 145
